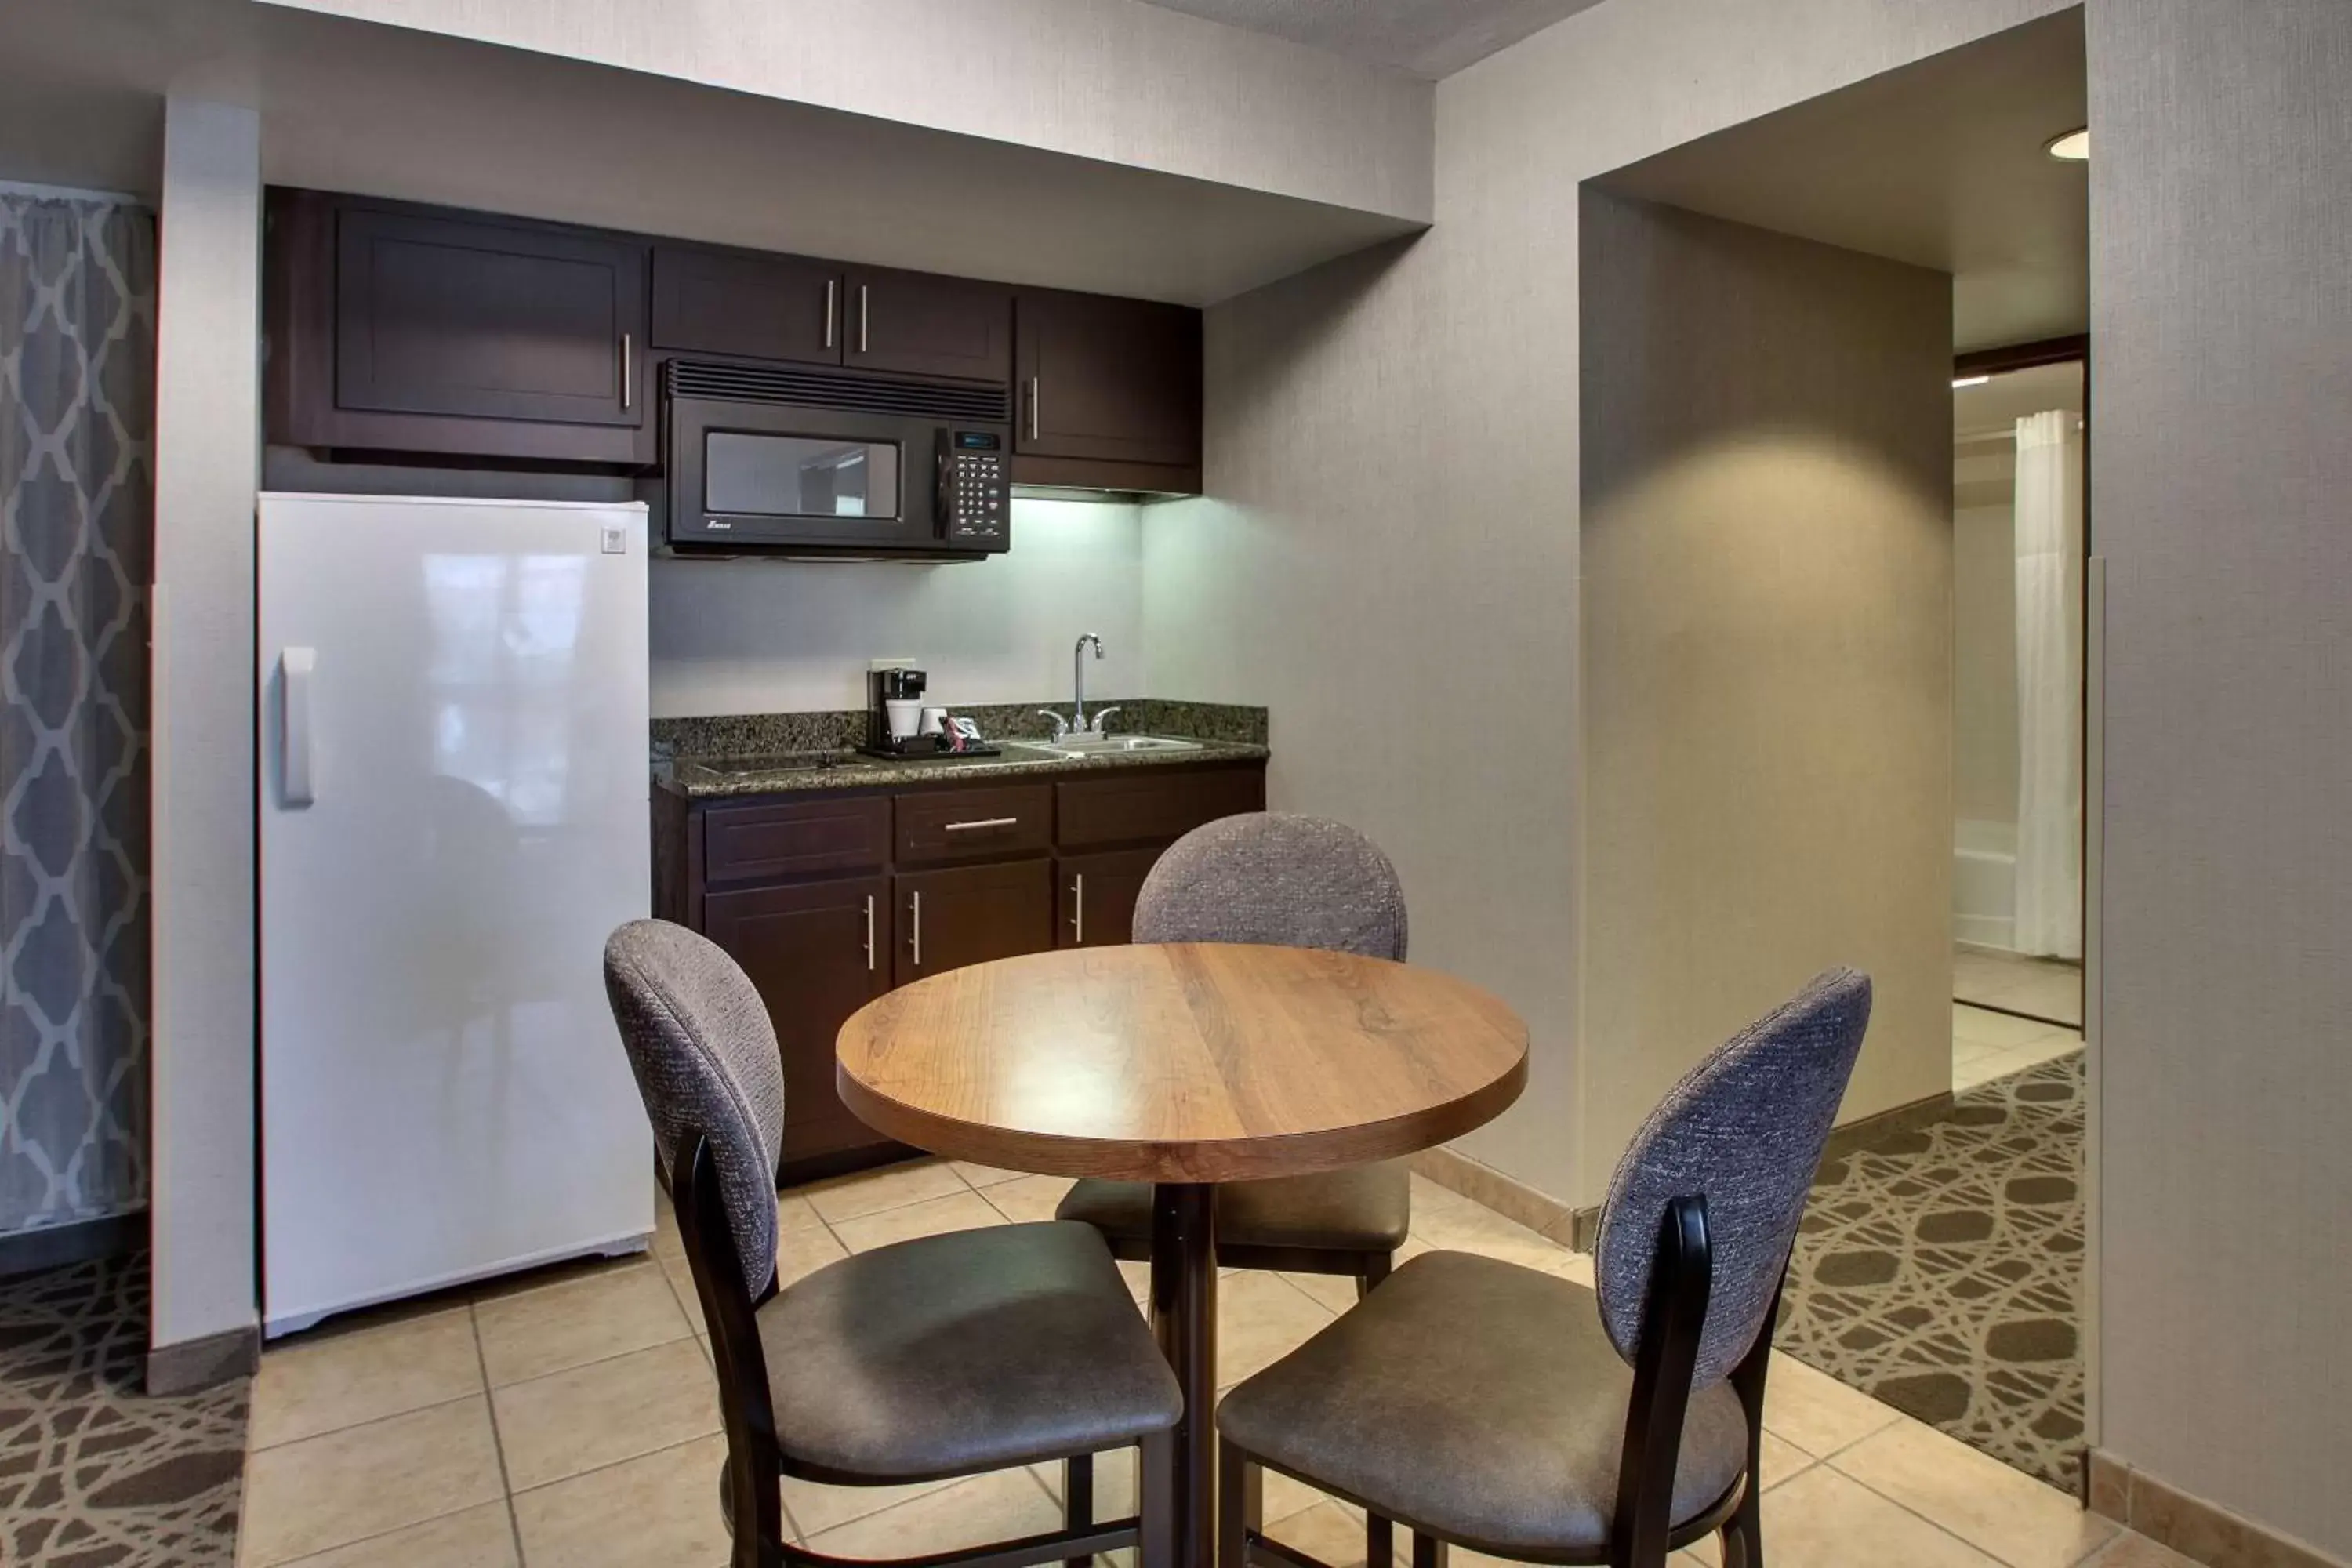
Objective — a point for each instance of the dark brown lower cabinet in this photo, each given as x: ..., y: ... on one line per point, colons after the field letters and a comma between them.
x: 828, y: 899
x: 817, y: 951
x: 1096, y: 897
x: 971, y: 914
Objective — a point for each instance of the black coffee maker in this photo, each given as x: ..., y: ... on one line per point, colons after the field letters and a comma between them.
x: 894, y: 714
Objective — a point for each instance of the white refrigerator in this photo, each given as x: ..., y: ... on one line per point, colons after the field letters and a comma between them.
x: 453, y: 816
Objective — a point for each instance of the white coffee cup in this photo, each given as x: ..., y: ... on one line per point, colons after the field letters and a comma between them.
x: 906, y: 715
x: 935, y: 721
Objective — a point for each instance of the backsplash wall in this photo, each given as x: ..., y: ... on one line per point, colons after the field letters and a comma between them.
x: 794, y: 636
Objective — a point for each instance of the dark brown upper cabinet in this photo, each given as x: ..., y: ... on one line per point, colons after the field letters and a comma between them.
x: 734, y: 302
x: 1109, y: 392
x: 405, y: 330
x: 918, y: 323
x: 400, y: 328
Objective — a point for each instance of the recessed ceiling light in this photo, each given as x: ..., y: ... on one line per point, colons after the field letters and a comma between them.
x: 1970, y: 381
x: 2074, y: 147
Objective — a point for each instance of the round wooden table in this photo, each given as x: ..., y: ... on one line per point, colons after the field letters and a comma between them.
x: 1183, y: 1066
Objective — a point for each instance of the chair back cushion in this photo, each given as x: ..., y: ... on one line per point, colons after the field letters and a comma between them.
x: 705, y: 1055
x: 1745, y: 1129
x: 1287, y: 881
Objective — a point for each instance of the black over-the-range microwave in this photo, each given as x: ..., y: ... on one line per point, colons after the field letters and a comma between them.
x: 766, y: 459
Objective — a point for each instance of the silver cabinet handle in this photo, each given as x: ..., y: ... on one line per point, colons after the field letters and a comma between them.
x: 295, y: 666
x: 830, y: 298
x: 978, y: 827
x: 628, y: 373
x: 1079, y: 908
x: 915, y: 939
x: 861, y: 318
x: 869, y: 933
x: 1036, y: 401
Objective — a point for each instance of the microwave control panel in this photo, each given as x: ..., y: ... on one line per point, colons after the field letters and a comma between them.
x: 975, y: 489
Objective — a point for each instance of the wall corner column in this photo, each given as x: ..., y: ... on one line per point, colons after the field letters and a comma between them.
x: 204, y: 1320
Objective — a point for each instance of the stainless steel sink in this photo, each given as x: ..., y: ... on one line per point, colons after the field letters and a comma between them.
x: 1076, y: 746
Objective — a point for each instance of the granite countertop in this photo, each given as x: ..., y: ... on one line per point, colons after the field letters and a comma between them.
x: 796, y: 754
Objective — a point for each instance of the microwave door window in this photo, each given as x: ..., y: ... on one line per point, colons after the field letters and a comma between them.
x: 799, y: 477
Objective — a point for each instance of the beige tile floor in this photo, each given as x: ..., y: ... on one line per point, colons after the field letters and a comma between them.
x: 567, y: 1418
x: 1988, y: 1045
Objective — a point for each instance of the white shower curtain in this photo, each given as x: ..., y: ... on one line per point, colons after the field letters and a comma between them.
x: 2050, y: 685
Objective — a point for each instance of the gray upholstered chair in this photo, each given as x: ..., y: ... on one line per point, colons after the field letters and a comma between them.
x: 1512, y: 1412
x: 944, y: 1356
x: 1290, y: 881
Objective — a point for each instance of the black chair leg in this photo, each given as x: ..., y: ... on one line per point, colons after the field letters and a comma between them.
x: 1155, y: 1488
x: 1380, y: 1541
x: 1375, y: 1269
x: 1241, y: 1504
x: 1428, y: 1552
x: 1743, y: 1532
x: 1078, y: 1499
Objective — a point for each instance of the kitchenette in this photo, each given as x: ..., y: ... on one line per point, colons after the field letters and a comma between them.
x: 854, y: 552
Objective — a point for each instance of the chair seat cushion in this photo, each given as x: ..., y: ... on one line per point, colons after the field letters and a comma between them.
x: 951, y: 1354
x: 1479, y: 1401
x: 1365, y: 1209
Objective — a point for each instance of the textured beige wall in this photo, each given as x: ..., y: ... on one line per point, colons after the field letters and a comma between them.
x: 2221, y: 497
x: 207, y: 460
x: 1113, y: 80
x: 1390, y: 560
x: 1767, y: 636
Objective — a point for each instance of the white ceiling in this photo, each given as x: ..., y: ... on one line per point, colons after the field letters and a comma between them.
x: 1938, y: 164
x: 1428, y: 37
x: 390, y: 112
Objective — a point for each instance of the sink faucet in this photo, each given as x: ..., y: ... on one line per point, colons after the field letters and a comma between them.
x: 1077, y: 725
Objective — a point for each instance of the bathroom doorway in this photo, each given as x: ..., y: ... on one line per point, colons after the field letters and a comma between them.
x: 2019, y: 555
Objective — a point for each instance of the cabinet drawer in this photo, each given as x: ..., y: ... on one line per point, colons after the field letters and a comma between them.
x: 974, y: 825
x: 1152, y: 806
x: 800, y: 839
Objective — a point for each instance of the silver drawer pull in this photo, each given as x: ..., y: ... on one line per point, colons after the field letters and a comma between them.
x: 978, y: 827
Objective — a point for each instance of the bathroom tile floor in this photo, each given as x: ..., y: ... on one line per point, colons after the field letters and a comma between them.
x: 567, y: 1417
x: 1988, y: 1045
x: 2043, y: 987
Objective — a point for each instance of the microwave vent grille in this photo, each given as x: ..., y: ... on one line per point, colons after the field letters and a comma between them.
x: 832, y: 389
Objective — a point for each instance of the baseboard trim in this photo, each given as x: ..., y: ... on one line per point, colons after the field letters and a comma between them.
x: 1579, y: 1229
x: 1852, y: 1135
x: 198, y: 1363
x: 2202, y: 1532
x: 1514, y: 1200
x: 53, y: 1247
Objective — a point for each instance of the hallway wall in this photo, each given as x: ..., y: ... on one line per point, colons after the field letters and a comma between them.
x: 1766, y: 611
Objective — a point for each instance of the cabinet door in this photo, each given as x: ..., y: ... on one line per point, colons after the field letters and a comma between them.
x: 1118, y: 380
x: 817, y: 951
x: 1095, y: 894
x: 971, y: 914
x: 918, y: 323
x: 763, y: 307
x: 487, y: 321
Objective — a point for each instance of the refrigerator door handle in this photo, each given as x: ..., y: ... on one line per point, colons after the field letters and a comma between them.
x: 297, y: 665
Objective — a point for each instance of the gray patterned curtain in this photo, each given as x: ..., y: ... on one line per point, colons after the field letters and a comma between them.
x: 77, y: 394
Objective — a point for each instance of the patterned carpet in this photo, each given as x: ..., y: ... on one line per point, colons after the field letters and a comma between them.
x: 93, y: 1473
x: 1941, y: 1270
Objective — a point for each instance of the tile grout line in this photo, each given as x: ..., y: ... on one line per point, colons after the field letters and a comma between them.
x: 497, y: 1441
x: 1929, y: 1519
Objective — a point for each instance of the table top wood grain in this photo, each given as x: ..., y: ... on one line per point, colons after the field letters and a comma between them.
x: 1189, y: 1062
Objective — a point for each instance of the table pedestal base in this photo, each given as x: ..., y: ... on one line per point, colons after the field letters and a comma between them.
x: 1184, y: 1320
